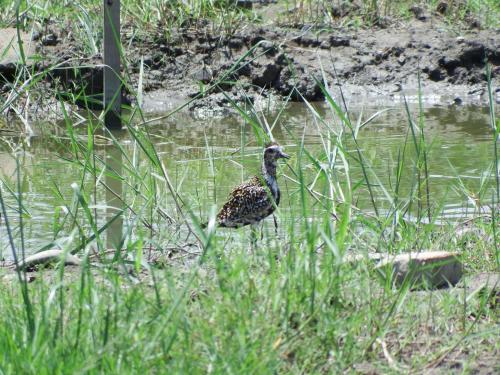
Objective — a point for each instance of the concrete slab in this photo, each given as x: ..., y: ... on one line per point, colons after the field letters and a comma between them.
x: 9, y: 46
x: 432, y: 269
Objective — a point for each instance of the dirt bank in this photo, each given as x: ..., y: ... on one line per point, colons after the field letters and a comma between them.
x: 377, y: 64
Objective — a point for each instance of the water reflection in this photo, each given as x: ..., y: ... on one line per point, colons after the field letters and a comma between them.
x: 206, y: 158
x: 114, y: 193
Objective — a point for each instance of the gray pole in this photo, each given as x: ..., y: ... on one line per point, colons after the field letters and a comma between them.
x: 112, y: 81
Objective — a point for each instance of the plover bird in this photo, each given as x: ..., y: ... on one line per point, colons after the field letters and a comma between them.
x: 257, y: 198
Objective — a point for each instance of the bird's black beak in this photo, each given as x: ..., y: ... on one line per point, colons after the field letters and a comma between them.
x: 284, y: 156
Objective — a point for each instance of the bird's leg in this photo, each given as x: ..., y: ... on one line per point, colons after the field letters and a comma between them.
x: 275, y: 225
x: 253, y: 236
x: 262, y: 230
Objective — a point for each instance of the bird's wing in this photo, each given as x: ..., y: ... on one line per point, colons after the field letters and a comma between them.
x: 247, y: 203
x: 254, y: 182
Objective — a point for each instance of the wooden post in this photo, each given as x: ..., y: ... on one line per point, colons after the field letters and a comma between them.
x: 112, y: 81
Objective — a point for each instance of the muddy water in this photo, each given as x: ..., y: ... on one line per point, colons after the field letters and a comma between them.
x: 459, y: 155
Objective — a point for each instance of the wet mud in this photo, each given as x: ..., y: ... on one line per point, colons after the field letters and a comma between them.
x: 289, y: 63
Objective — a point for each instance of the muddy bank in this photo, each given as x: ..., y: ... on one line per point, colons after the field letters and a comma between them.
x: 379, y: 64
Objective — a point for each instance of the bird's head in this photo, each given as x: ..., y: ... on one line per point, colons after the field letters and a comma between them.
x: 273, y: 152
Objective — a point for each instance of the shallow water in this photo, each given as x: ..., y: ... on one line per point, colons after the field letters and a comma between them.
x: 205, y: 158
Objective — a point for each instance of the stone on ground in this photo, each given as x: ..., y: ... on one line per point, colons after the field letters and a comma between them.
x: 47, y: 257
x: 431, y: 269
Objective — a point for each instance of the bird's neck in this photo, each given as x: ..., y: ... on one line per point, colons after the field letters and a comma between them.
x: 269, y: 174
x: 269, y: 170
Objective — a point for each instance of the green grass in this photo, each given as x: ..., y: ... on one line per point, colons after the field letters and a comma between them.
x: 244, y: 314
x: 281, y: 309
x: 292, y: 306
x: 368, y: 13
x: 227, y: 17
x: 84, y: 19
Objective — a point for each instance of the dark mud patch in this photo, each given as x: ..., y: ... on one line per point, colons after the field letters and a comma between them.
x: 381, y: 64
